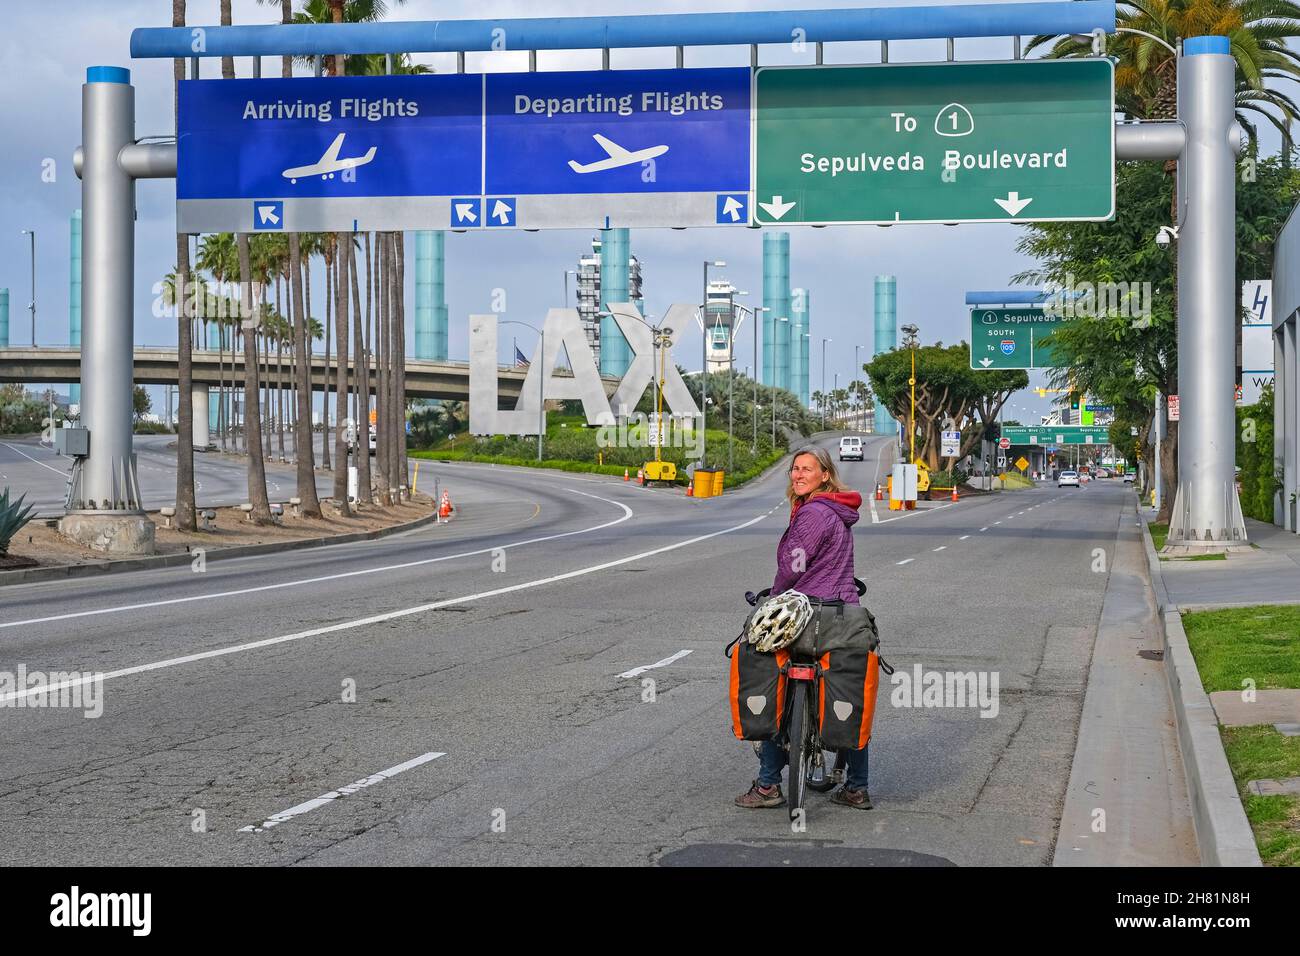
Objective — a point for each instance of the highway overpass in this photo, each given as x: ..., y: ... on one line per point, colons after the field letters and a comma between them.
x: 157, y: 366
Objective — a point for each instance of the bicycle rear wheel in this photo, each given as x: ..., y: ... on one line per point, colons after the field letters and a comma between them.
x: 799, y: 752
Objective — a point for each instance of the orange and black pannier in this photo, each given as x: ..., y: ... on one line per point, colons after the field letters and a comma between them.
x: 757, y: 691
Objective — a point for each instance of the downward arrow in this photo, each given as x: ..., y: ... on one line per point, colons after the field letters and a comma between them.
x: 776, y: 208
x: 1013, y: 203
x: 465, y: 212
x: 732, y: 208
x: 501, y: 211
x: 986, y: 362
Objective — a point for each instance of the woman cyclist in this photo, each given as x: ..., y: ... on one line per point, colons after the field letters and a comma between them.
x: 814, y: 557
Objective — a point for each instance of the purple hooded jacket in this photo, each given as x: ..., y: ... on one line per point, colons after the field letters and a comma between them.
x: 820, y: 540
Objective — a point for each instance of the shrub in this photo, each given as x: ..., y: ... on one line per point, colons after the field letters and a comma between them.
x: 13, y: 515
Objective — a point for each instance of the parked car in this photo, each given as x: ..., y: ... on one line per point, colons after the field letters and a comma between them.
x: 851, y: 447
x: 1067, y: 478
x: 1129, y: 477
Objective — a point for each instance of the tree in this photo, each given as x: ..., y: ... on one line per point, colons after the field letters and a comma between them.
x: 302, y: 347
x: 1146, y: 77
x: 950, y: 395
x: 261, y: 513
x: 141, y: 403
x: 185, y: 517
x: 1125, y: 360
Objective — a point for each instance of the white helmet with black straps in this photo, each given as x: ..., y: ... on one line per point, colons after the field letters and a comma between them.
x: 778, y: 622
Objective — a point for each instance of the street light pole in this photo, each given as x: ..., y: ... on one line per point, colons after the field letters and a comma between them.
x: 32, y: 305
x: 824, y: 341
x: 704, y: 352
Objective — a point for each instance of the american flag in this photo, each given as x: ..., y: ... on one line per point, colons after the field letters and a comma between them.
x: 521, y: 360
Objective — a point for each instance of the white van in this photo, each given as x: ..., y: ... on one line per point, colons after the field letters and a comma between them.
x: 851, y: 447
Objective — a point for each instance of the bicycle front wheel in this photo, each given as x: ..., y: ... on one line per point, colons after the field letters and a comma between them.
x: 799, y: 750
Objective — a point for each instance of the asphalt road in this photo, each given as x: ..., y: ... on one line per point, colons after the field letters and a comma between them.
x: 500, y: 717
x: 30, y: 468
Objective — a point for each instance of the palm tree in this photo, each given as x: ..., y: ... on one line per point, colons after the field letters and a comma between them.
x: 340, y: 291
x: 1146, y: 81
x: 185, y: 518
x: 360, y: 377
x: 261, y: 513
x: 218, y: 256
x: 302, y: 346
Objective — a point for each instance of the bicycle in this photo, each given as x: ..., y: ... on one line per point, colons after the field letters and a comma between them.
x: 807, y: 756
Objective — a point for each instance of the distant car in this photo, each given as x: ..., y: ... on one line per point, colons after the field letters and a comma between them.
x: 851, y: 447
x: 372, y: 439
x: 1067, y: 478
x: 1129, y: 477
x: 1102, y: 473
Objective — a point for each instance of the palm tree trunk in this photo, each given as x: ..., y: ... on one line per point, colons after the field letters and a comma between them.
x: 399, y: 366
x: 279, y: 390
x: 325, y: 390
x: 342, y: 252
x: 381, y: 369
x: 302, y: 342
x: 252, y: 417
x: 185, y: 519
x: 360, y: 384
x: 286, y: 16
x: 227, y: 62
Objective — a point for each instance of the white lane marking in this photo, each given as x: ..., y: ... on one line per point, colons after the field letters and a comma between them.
x: 887, y: 443
x: 275, y: 819
x: 30, y: 458
x: 963, y: 537
x: 374, y: 618
x: 905, y: 561
x: 997, y: 522
x: 942, y: 547
x: 914, y: 514
x: 985, y: 528
x: 638, y: 671
x: 627, y: 513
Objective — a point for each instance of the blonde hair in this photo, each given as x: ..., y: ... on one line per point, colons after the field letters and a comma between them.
x: 832, y: 482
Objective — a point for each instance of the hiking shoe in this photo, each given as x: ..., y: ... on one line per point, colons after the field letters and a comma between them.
x: 852, y: 798
x: 759, y: 798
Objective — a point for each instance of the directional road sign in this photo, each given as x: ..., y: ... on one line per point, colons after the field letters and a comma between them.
x: 615, y: 148
x: 593, y: 149
x: 1023, y: 140
x: 1012, y: 338
x: 1057, y: 434
x: 335, y: 153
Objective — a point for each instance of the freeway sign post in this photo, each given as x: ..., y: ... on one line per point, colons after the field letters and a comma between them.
x: 1025, y: 140
x: 595, y: 149
x: 1057, y: 434
x: 1012, y: 338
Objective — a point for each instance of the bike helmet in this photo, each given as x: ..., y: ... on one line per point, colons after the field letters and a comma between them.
x: 777, y: 623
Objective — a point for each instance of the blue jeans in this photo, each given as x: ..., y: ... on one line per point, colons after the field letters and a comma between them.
x: 772, y: 757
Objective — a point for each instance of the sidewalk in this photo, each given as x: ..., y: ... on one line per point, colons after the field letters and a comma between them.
x: 1268, y: 574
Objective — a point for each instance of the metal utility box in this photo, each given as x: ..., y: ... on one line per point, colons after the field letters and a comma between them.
x: 72, y: 442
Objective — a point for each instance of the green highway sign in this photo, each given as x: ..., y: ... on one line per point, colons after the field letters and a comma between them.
x: 1012, y: 338
x: 1022, y: 141
x: 1057, y: 434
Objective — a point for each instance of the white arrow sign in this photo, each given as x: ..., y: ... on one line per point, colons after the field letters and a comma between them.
x: 465, y: 212
x: 776, y: 208
x: 1013, y: 203
x: 986, y: 362
x: 268, y: 215
x: 732, y: 208
x: 501, y: 211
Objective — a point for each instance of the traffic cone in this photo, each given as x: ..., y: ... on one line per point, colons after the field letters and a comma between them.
x: 625, y: 475
x: 954, y: 492
x: 640, y: 475
x: 880, y: 495
x: 690, y: 488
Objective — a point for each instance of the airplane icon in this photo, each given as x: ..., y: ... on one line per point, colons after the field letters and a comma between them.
x: 618, y: 156
x: 329, y: 163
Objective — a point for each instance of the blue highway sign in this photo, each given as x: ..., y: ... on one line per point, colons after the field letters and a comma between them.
x: 595, y: 149
x: 388, y: 152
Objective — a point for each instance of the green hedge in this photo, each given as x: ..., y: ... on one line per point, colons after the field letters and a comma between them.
x: 1259, y: 484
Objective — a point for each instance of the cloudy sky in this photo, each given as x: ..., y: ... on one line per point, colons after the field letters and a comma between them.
x: 46, y: 47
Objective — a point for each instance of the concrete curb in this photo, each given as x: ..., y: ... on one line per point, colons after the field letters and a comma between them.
x: 63, y: 572
x: 1223, y: 833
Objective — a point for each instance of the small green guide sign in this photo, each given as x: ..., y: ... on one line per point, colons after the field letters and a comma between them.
x: 1022, y: 140
x: 1002, y: 338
